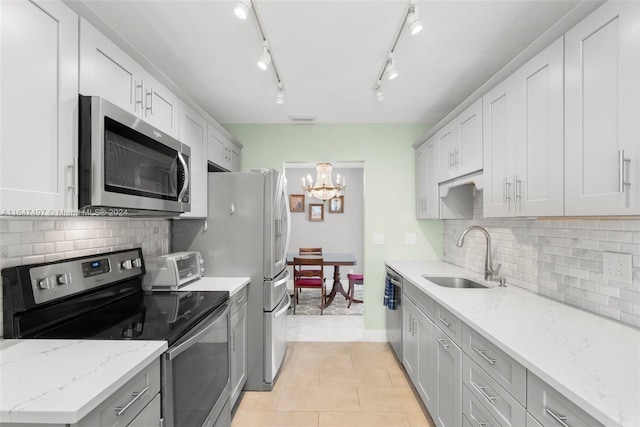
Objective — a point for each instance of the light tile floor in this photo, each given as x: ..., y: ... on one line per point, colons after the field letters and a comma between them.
x: 333, y: 384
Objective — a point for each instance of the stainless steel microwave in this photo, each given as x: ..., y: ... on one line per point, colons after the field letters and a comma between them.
x: 128, y: 164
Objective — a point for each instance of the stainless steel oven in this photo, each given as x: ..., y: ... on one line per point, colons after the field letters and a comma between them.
x: 128, y: 164
x: 101, y: 297
x: 195, y: 375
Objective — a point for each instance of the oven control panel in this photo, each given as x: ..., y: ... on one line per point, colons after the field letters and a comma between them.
x: 62, y: 279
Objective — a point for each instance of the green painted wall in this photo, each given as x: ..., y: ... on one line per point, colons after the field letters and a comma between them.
x: 389, y: 188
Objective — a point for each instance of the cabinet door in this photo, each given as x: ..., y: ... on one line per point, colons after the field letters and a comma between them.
x: 448, y: 384
x: 427, y: 361
x: 39, y: 84
x: 499, y: 137
x: 238, y: 347
x: 106, y: 71
x: 234, y: 157
x: 193, y: 132
x: 602, y: 107
x: 468, y: 157
x: 538, y: 189
x: 410, y: 340
x: 150, y: 416
x: 160, y: 106
x: 421, y: 181
x: 217, y: 149
x: 448, y: 140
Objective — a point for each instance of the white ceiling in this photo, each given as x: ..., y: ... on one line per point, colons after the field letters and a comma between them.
x: 329, y: 53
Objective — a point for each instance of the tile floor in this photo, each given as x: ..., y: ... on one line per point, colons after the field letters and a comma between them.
x: 333, y: 384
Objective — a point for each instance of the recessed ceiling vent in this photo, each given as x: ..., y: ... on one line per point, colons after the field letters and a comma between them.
x: 302, y: 118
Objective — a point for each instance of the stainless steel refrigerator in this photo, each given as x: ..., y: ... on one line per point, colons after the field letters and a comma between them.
x: 246, y: 233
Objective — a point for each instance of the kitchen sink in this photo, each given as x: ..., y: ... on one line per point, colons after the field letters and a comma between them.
x: 453, y: 282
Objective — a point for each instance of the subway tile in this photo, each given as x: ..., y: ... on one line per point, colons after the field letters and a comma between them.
x: 609, y: 224
x: 33, y: 237
x: 19, y: 226
x: 21, y: 250
x: 43, y: 248
x: 630, y: 295
x: 620, y: 236
x: 10, y: 238
x: 64, y: 246
x: 630, y: 248
x: 630, y: 224
x: 631, y: 319
x: 80, y: 234
x: 44, y: 225
x: 612, y: 313
x: 32, y: 259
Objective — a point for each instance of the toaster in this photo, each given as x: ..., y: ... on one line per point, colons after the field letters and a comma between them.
x: 170, y: 271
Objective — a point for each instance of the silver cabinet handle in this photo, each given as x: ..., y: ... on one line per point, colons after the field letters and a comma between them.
x: 456, y: 157
x: 484, y: 356
x: 149, y: 103
x: 518, y: 195
x: 560, y: 419
x: 232, y: 345
x: 441, y: 341
x: 481, y: 390
x: 136, y: 395
x: 138, y: 100
x: 622, y: 171
x: 507, y: 193
x: 478, y: 422
x: 444, y: 321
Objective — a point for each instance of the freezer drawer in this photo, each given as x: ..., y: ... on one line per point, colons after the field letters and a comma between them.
x: 275, y: 339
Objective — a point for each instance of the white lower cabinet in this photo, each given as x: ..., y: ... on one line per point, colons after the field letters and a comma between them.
x: 448, y: 386
x: 149, y: 417
x: 39, y: 86
x: 238, y: 343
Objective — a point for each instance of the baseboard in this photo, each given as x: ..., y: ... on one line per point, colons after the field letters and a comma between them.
x: 375, y: 335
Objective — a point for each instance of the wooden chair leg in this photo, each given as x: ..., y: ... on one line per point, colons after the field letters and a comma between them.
x: 295, y: 299
x: 350, y: 293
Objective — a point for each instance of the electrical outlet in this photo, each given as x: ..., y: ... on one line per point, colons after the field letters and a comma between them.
x: 410, y: 238
x: 378, y: 239
x: 616, y: 267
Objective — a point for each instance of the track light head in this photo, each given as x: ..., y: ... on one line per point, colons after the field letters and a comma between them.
x: 379, y: 94
x: 391, y: 71
x: 414, y: 24
x: 242, y: 8
x: 280, y: 94
x: 265, y: 58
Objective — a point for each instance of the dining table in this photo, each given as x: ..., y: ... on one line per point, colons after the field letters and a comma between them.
x: 336, y: 259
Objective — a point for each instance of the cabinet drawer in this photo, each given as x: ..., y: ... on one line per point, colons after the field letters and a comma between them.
x: 531, y: 422
x: 450, y: 324
x: 501, y: 405
x: 419, y: 298
x: 475, y: 413
x: 501, y: 367
x: 551, y: 408
x: 238, y: 299
x: 150, y: 416
x: 128, y: 401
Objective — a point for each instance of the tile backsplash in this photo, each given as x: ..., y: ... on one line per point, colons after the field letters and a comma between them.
x: 560, y: 258
x: 34, y: 240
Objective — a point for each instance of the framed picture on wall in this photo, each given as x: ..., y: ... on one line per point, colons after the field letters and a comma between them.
x: 296, y: 202
x: 316, y: 212
x: 336, y: 205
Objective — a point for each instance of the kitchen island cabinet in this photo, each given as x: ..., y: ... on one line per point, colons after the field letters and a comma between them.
x: 39, y: 85
x: 568, y: 349
x: 78, y: 382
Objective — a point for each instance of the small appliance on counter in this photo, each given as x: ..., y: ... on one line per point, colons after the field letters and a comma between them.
x: 171, y: 271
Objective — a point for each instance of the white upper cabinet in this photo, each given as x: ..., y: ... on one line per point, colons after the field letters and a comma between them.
x: 427, y: 178
x: 602, y: 112
x: 523, y: 142
x: 193, y: 132
x: 539, y: 151
x: 499, y: 136
x: 107, y: 71
x: 461, y: 143
x: 39, y: 84
x: 222, y: 152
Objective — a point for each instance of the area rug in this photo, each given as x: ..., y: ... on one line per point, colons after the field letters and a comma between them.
x: 309, y: 303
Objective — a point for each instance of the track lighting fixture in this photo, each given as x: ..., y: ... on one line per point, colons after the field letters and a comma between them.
x: 411, y: 21
x: 414, y: 24
x: 280, y: 94
x: 265, y: 58
x: 242, y: 8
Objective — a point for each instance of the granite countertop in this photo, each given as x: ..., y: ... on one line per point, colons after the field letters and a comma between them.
x: 593, y: 361
x: 61, y: 381
x: 231, y: 284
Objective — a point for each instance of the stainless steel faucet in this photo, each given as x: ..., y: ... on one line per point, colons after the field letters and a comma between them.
x: 489, y: 272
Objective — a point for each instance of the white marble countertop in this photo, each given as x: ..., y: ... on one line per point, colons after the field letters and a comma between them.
x: 61, y: 381
x: 593, y: 361
x: 231, y: 284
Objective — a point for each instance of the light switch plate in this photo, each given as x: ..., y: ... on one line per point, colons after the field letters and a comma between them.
x: 410, y: 238
x: 616, y: 267
x: 378, y: 238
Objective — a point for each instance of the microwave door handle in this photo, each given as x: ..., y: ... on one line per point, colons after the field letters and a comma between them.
x: 185, y: 185
x: 175, y: 352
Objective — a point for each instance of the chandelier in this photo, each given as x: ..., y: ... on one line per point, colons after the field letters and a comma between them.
x: 324, y: 188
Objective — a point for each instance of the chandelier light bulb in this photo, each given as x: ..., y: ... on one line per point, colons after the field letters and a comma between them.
x: 241, y: 9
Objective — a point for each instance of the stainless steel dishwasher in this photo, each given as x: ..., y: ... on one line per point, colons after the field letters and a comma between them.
x: 393, y: 304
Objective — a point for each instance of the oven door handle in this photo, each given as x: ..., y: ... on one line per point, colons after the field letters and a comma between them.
x: 219, y: 315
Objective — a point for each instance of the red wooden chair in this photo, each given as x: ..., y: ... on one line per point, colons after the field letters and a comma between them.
x: 307, y: 274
